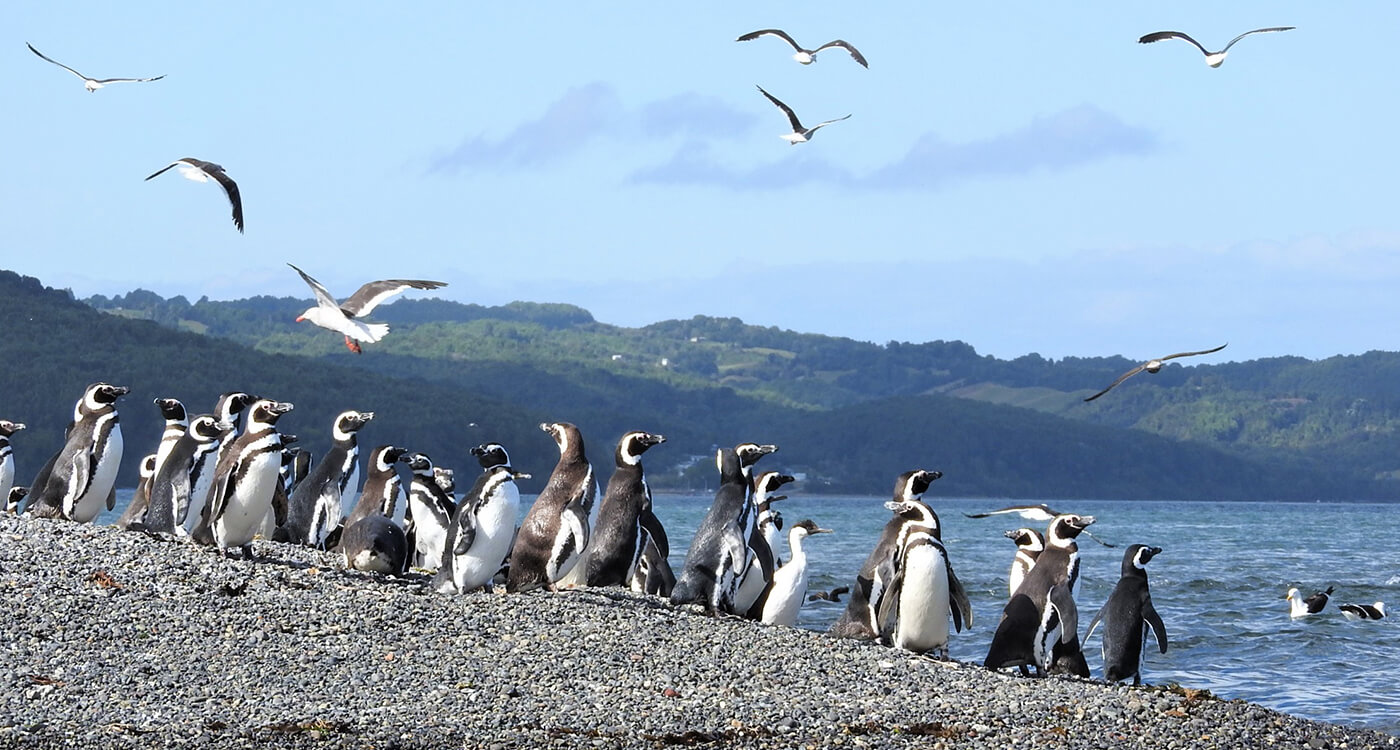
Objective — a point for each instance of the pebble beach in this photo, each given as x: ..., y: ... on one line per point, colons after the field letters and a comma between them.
x: 114, y: 639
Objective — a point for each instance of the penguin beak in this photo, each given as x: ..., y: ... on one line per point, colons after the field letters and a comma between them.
x: 822, y: 531
x: 288, y: 438
x: 16, y: 426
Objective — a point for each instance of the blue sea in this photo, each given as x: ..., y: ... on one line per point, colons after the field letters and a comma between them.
x: 1219, y: 585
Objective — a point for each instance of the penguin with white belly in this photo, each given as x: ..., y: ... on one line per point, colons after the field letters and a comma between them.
x: 7, y: 460
x: 554, y: 534
x: 923, y: 594
x: 314, y: 507
x: 176, y: 422
x: 135, y: 512
x: 170, y: 488
x: 382, y: 485
x: 480, y: 534
x: 80, y: 481
x: 229, y: 408
x: 1126, y: 616
x: 428, y: 515
x: 769, y: 524
x: 245, y: 481
x: 619, y: 536
x: 1029, y: 544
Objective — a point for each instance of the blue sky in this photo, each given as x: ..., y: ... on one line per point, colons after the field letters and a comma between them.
x: 1024, y: 177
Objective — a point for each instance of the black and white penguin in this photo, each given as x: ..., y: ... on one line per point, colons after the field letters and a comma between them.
x: 769, y: 523
x: 923, y: 595
x: 1363, y: 611
x: 314, y: 507
x: 170, y: 489
x: 619, y: 536
x: 176, y: 422
x: 788, y: 589
x: 860, y: 620
x: 727, y: 540
x: 1029, y: 544
x: 429, y: 513
x: 7, y: 459
x: 135, y: 513
x: 245, y: 480
x: 375, y: 544
x: 1300, y: 607
x: 480, y: 534
x: 1126, y: 616
x: 653, y: 573
x: 382, y: 485
x: 229, y: 408
x: 14, y: 498
x: 296, y: 465
x: 80, y: 481
x: 1039, y: 625
x: 554, y: 533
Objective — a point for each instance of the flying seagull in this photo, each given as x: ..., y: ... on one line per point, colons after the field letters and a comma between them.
x: 203, y: 171
x: 1151, y: 366
x: 1041, y: 513
x: 799, y: 134
x: 1213, y: 59
x: 91, y: 84
x: 344, y: 318
x: 805, y: 56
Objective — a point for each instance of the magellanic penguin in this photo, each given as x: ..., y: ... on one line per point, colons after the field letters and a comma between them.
x: 728, y: 537
x: 170, y: 488
x: 624, y: 515
x: 1029, y: 544
x: 1126, y: 616
x: 382, y: 484
x: 176, y: 422
x: 314, y: 508
x: 653, y: 573
x: 375, y: 544
x: 245, y: 481
x: 480, y: 534
x: 13, y: 499
x: 769, y: 524
x: 7, y: 459
x: 135, y: 513
x: 1300, y: 607
x: 923, y: 594
x: 428, y: 516
x: 555, y: 531
x: 860, y: 620
x: 81, y: 479
x: 1039, y: 625
x: 785, y: 594
x: 229, y: 408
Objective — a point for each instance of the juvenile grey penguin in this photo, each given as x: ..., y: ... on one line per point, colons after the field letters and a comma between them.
x: 1126, y: 616
x: 728, y: 538
x: 923, y: 594
x: 245, y: 481
x: 375, y: 544
x: 7, y: 460
x: 428, y: 515
x: 135, y: 513
x: 1039, y: 625
x: 314, y: 508
x: 176, y: 422
x: 229, y: 408
x: 81, y: 478
x: 769, y: 523
x: 860, y: 620
x: 382, y: 485
x: 480, y: 534
x: 555, y: 531
x: 170, y: 488
x: 624, y: 514
x: 1029, y: 544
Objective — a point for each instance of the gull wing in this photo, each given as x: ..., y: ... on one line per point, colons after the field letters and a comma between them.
x: 1120, y: 379
x: 1192, y: 354
x: 323, y: 297
x: 1158, y: 36
x: 1245, y: 34
x: 55, y: 62
x: 230, y: 189
x: 127, y: 80
x: 1028, y: 512
x: 855, y: 53
x: 792, y: 118
x: 369, y: 296
x: 750, y: 37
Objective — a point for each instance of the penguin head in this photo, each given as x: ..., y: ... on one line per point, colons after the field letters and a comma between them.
x: 632, y: 445
x: 565, y: 435
x: 1028, y: 539
x: 916, y: 512
x: 420, y: 464
x: 491, y: 454
x: 349, y: 422
x: 231, y: 404
x: 1137, y: 556
x: 101, y: 395
x: 446, y: 479
x: 749, y: 453
x: 770, y: 481
x: 1065, y: 527
x: 171, y: 409
x: 289, y: 438
x: 17, y: 495
x: 8, y: 428
x: 911, y: 485
x: 266, y: 411
x: 206, y: 429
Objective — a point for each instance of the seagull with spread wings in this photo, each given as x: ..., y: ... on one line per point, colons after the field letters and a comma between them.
x: 344, y: 317
x: 1152, y: 365
x: 204, y: 171
x: 91, y: 84
x: 805, y: 56
x: 799, y: 134
x: 1213, y: 59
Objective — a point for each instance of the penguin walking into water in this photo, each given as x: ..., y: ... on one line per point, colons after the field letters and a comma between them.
x: 923, y: 594
x: 860, y: 620
x: 135, y: 513
x: 784, y: 596
x: 1039, y: 625
x: 229, y: 408
x: 480, y: 534
x: 382, y: 485
x: 176, y: 423
x: 245, y: 480
x: 7, y: 459
x: 80, y: 481
x: 1126, y: 616
x: 1029, y: 544
x: 1300, y: 607
x: 170, y: 488
x: 769, y: 523
x: 428, y: 515
x: 619, y: 536
x: 555, y: 531
x: 728, y: 537
x: 314, y: 508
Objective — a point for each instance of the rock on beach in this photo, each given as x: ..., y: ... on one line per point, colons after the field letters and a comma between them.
x: 115, y: 639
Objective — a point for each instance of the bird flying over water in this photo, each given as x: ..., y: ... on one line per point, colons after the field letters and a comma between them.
x: 1041, y: 513
x: 805, y: 56
x: 91, y: 84
x: 343, y: 318
x: 799, y: 134
x: 1213, y: 59
x: 204, y: 171
x: 1153, y: 366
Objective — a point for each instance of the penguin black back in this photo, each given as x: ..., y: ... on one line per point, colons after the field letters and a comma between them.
x: 1126, y: 616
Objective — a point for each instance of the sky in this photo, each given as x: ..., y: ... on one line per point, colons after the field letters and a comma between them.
x: 1024, y: 177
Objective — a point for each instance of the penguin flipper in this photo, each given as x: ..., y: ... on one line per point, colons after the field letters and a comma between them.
x: 960, y: 607
x: 655, y: 531
x: 1063, y: 600
x: 762, y: 553
x: 112, y: 498
x: 887, y: 611
x: 1094, y: 623
x: 1159, y: 629
x: 466, y: 532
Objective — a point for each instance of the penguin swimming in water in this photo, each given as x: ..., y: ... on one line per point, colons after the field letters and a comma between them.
x: 555, y: 531
x: 1029, y: 544
x: 135, y: 512
x: 770, y: 525
x: 1363, y: 611
x: 375, y: 544
x: 785, y: 594
x: 7, y: 460
x: 245, y: 481
x: 1126, y: 617
x: 170, y: 488
x: 619, y: 536
x: 860, y: 620
x: 428, y: 515
x: 80, y: 481
x: 314, y: 508
x: 480, y: 534
x: 1039, y: 625
x: 924, y: 592
x: 728, y: 538
x: 1300, y: 607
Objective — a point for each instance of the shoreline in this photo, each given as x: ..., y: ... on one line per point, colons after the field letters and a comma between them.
x: 117, y: 639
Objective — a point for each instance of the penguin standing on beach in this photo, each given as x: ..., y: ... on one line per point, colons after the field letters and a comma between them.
x: 619, y: 536
x: 653, y: 573
x: 245, y: 481
x: 314, y: 508
x: 923, y: 594
x: 1029, y: 544
x: 1126, y: 617
x: 80, y: 481
x: 860, y: 620
x: 1039, y: 625
x: 428, y: 515
x: 229, y: 408
x: 382, y: 485
x: 480, y: 534
x: 728, y: 538
x: 555, y: 531
x: 769, y: 524
x: 170, y: 488
x: 783, y: 598
x: 7, y: 459
x: 135, y: 513
x: 176, y: 422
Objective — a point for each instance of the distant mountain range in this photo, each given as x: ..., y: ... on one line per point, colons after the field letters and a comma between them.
x: 849, y: 415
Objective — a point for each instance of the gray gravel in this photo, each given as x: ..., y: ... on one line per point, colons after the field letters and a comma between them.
x: 116, y: 639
